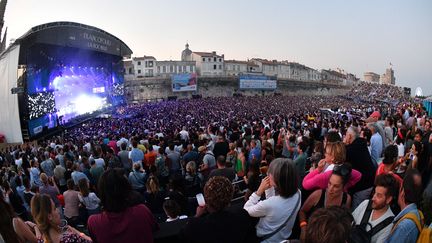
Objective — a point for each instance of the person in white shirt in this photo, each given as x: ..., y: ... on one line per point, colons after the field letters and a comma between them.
x: 87, y: 198
x: 377, y: 211
x: 278, y: 211
x: 184, y: 135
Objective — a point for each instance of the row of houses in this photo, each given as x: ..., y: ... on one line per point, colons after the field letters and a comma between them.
x: 212, y: 64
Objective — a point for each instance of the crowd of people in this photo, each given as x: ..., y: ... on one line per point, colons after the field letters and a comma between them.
x: 244, y: 169
x: 384, y: 92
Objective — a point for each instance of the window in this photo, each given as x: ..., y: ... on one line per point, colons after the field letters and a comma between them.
x: 203, y: 59
x: 171, y: 69
x: 214, y: 59
x: 220, y: 66
x: 209, y: 59
x: 164, y: 69
x: 150, y: 63
x: 158, y: 69
x: 139, y: 63
x: 130, y: 70
x: 220, y: 59
x: 139, y: 70
x: 214, y: 67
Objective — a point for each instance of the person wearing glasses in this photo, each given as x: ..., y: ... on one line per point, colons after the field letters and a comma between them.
x: 333, y: 195
x: 319, y: 177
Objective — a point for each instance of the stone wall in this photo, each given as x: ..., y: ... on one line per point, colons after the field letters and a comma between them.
x: 139, y: 90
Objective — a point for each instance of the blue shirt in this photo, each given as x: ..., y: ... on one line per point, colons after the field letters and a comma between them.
x: 406, y: 231
x: 136, y: 155
x: 77, y: 176
x: 137, y: 180
x: 255, y: 152
x: 376, y: 144
x: 34, y: 177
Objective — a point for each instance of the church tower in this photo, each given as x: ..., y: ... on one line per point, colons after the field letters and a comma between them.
x: 2, y: 13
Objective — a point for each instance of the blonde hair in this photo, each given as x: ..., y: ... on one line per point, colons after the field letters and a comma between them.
x: 191, y: 167
x: 83, y: 187
x: 152, y: 185
x: 41, y: 207
x: 44, y: 178
x: 337, y: 149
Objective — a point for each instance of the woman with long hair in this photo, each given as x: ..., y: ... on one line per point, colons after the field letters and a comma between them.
x: 252, y: 179
x: 231, y: 157
x: 333, y: 195
x: 12, y: 228
x: 48, y: 221
x: 240, y: 165
x: 87, y: 198
x: 154, y: 197
x: 122, y: 219
x: 335, y: 154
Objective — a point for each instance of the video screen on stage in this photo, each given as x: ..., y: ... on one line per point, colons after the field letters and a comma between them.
x: 257, y: 82
x: 57, y: 92
x: 184, y: 82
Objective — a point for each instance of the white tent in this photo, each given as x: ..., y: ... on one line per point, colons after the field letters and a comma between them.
x: 10, y: 124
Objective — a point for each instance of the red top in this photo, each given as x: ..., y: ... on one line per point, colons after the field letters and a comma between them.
x: 381, y: 171
x: 113, y: 144
x: 150, y: 158
x: 135, y: 224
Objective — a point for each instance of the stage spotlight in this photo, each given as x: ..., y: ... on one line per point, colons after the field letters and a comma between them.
x: 85, y: 104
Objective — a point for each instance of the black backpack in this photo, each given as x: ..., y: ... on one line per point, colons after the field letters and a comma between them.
x: 359, y: 233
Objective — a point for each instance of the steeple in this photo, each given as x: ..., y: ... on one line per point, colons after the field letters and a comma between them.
x: 2, y: 13
x: 3, y: 42
x: 186, y: 53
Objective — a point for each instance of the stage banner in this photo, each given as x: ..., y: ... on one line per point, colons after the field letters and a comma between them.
x: 184, y: 82
x: 258, y: 82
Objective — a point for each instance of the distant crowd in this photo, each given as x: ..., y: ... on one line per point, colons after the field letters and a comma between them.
x: 243, y: 169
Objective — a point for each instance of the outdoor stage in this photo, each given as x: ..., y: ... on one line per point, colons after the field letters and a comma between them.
x: 57, y: 73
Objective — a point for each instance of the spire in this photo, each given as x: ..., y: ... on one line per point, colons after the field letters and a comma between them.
x: 2, y: 13
x: 3, y: 42
x: 187, y: 45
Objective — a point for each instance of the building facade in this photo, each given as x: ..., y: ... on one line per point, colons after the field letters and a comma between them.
x: 129, y: 72
x: 333, y: 76
x: 168, y: 68
x: 388, y: 77
x: 235, y: 68
x: 371, y: 77
x: 144, y: 66
x: 208, y: 63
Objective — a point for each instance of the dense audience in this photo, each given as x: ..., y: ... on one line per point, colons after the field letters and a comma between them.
x: 372, y: 91
x: 245, y: 169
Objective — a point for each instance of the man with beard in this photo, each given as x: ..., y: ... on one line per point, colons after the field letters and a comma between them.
x: 377, y: 211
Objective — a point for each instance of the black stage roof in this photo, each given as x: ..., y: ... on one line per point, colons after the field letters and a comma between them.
x: 76, y: 35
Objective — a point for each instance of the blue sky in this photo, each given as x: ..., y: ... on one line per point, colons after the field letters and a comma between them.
x: 356, y: 36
